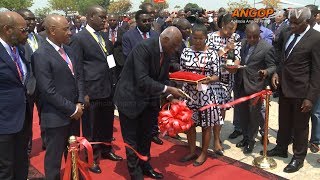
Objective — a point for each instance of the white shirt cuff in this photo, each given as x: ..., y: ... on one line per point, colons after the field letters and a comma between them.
x: 75, y: 111
x: 165, y: 89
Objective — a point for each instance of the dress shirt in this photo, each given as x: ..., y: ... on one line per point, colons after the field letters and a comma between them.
x: 298, y: 39
x: 8, y: 49
x: 57, y: 49
x: 141, y: 33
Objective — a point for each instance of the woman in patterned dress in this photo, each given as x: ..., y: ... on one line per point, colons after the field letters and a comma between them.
x: 225, y: 42
x: 201, y: 60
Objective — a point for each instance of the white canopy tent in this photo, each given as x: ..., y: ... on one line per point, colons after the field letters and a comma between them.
x: 287, y: 3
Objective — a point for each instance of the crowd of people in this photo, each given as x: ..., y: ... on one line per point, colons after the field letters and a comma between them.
x: 82, y: 68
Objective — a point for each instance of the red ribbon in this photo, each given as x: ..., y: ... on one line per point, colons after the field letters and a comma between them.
x: 175, y: 120
x: 238, y: 101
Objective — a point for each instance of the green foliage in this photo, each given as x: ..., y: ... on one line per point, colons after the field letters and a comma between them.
x: 158, y: 6
x: 191, y: 6
x: 16, y: 4
x: 63, y: 5
x: 238, y: 4
x: 42, y: 12
x: 119, y: 6
x: 82, y: 5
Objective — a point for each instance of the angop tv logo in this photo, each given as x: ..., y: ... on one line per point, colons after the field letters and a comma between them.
x: 253, y: 13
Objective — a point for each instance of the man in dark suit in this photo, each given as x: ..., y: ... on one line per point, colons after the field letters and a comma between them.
x: 115, y: 34
x: 185, y: 28
x: 14, y: 108
x: 142, y: 31
x: 60, y: 87
x: 93, y: 48
x: 77, y: 27
x: 133, y: 37
x: 297, y: 77
x: 137, y: 96
x: 278, y: 26
x: 33, y: 43
x: 259, y: 57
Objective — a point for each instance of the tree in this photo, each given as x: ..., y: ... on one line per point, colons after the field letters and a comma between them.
x: 157, y: 6
x: 82, y: 5
x: 42, y: 12
x: 177, y: 7
x: 271, y: 3
x: 16, y: 4
x: 63, y: 5
x: 119, y: 6
x: 191, y: 6
x: 242, y: 4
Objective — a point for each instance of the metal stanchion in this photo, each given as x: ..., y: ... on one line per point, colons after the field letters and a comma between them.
x: 73, y: 148
x: 263, y: 161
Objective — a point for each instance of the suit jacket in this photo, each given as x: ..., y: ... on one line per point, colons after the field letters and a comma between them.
x: 59, y: 90
x: 276, y: 32
x: 133, y: 37
x: 175, y: 59
x: 142, y: 80
x: 13, y: 101
x: 117, y: 46
x: 31, y: 85
x: 299, y: 73
x: 98, y: 78
x: 263, y: 57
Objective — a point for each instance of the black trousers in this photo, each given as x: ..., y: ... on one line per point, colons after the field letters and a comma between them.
x: 137, y: 133
x: 101, y: 116
x: 250, y: 117
x: 14, y: 162
x: 56, y: 140
x: 293, y: 121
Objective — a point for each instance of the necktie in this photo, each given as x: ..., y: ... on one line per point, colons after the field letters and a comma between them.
x: 161, y: 58
x: 145, y: 36
x: 249, y: 53
x: 113, y: 37
x: 65, y: 58
x: 289, y: 48
x: 17, y: 61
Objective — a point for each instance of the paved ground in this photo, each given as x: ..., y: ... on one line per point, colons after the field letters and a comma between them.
x: 309, y: 171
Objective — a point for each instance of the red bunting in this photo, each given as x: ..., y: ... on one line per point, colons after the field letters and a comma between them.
x: 175, y: 120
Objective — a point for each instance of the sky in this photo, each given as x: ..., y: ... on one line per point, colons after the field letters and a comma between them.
x: 206, y: 4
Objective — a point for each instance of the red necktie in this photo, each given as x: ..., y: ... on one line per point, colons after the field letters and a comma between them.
x: 17, y: 62
x: 145, y: 36
x: 161, y: 58
x: 64, y: 56
x: 113, y: 37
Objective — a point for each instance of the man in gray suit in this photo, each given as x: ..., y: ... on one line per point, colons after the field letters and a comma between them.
x: 259, y: 57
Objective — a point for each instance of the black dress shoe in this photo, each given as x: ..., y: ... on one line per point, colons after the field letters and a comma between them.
x: 219, y: 152
x: 196, y: 163
x: 248, y: 148
x: 188, y: 158
x: 95, y: 168
x: 157, y: 140
x: 242, y: 143
x: 153, y: 174
x: 293, y: 166
x: 235, y: 134
x: 112, y: 156
x: 314, y: 148
x: 277, y: 151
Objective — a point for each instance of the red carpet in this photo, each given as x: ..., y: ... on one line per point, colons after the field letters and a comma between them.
x: 164, y: 159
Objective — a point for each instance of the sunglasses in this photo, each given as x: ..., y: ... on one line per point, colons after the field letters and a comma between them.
x: 146, y: 20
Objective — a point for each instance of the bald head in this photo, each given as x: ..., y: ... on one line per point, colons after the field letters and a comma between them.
x: 96, y: 17
x: 171, y: 39
x: 57, y: 28
x: 13, y: 28
x: 253, y: 33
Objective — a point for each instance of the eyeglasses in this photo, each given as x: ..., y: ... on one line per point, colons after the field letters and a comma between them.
x: 146, y: 20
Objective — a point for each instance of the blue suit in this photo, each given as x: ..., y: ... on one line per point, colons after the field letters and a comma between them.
x: 14, y: 113
x: 133, y: 37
